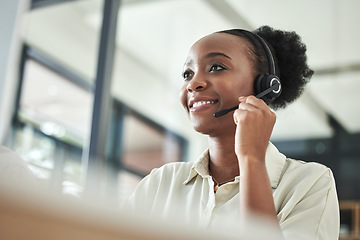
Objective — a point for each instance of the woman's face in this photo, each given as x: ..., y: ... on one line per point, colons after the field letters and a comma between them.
x: 216, y: 73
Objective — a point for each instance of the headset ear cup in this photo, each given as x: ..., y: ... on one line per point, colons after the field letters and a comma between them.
x: 270, y: 81
x: 258, y: 84
x: 264, y: 82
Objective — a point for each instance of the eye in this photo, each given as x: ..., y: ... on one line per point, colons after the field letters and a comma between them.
x: 216, y: 67
x: 187, y: 74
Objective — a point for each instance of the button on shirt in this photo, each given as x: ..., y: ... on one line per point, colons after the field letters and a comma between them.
x: 304, y: 196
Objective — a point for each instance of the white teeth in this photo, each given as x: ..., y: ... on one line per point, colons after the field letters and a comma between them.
x: 200, y: 103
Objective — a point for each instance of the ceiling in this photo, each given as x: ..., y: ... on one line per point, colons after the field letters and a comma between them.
x: 154, y: 36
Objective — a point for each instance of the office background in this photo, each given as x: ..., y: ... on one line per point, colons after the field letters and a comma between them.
x: 89, y: 88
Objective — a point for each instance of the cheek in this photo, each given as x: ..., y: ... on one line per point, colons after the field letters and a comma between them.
x: 183, y: 97
x: 241, y: 87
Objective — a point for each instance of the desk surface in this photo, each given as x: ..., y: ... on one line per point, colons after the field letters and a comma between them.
x: 28, y: 214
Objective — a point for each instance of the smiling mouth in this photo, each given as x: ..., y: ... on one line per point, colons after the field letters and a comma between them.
x: 201, y: 103
x: 198, y: 105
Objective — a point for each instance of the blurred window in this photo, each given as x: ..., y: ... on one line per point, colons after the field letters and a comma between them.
x: 53, y: 120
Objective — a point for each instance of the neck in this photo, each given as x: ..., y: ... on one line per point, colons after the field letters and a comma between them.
x: 223, y: 163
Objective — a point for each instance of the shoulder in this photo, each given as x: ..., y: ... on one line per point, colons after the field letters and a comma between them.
x: 176, y: 166
x: 306, y: 201
x: 306, y: 169
x: 179, y: 169
x: 301, y: 178
x: 154, y: 189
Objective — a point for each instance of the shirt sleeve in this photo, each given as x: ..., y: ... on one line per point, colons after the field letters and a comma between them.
x: 311, y: 211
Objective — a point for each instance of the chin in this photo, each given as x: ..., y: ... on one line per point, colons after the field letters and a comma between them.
x: 207, y: 127
x: 202, y: 131
x: 200, y: 126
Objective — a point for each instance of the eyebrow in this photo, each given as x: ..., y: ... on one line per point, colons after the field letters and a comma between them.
x: 210, y: 55
x: 214, y: 54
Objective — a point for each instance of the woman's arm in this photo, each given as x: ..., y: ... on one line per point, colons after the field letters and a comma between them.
x: 255, y: 122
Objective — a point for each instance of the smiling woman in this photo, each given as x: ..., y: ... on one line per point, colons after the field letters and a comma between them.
x: 242, y: 174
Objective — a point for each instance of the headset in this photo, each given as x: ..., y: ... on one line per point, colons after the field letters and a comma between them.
x: 267, y: 86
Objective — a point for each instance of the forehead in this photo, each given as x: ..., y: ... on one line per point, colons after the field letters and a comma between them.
x: 231, y: 45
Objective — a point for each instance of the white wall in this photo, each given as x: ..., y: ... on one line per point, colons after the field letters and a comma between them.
x: 12, y: 15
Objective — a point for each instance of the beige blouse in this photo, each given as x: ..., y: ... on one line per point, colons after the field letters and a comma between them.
x: 304, y: 196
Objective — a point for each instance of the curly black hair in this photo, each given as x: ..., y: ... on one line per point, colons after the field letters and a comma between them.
x: 290, y: 58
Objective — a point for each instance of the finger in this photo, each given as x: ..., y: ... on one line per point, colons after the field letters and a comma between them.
x: 259, y: 103
x: 245, y: 105
x: 243, y: 112
x: 251, y: 103
x: 248, y: 107
x: 252, y: 100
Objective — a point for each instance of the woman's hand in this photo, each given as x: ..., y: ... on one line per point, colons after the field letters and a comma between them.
x: 255, y: 122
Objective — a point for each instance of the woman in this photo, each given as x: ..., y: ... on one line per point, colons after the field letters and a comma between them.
x: 242, y: 174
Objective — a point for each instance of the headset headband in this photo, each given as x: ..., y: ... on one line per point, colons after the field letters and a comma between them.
x: 267, y: 50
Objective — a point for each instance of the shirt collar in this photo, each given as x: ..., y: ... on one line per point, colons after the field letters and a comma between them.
x: 201, y: 167
x: 274, y: 161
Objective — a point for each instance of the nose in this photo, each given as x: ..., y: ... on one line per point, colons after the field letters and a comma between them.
x: 196, y: 85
